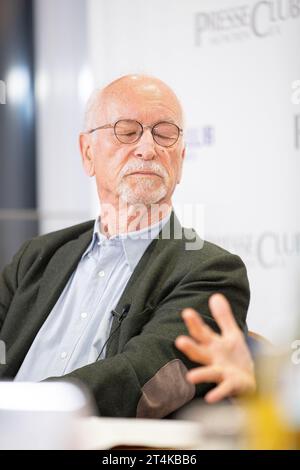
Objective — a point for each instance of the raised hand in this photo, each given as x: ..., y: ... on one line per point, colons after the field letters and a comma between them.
x: 225, y: 357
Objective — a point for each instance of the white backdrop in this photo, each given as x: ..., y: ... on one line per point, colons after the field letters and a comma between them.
x: 232, y: 63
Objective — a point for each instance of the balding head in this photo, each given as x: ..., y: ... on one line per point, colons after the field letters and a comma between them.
x: 131, y: 90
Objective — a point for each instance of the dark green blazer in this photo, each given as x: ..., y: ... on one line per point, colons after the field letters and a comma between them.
x: 143, y: 372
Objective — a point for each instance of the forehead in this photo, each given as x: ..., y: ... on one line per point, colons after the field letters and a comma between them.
x: 147, y: 105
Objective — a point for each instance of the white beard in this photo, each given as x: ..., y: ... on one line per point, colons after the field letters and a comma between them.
x: 144, y: 190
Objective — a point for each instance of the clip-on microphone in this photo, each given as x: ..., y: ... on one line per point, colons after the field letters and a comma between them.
x: 120, y: 317
x: 123, y: 314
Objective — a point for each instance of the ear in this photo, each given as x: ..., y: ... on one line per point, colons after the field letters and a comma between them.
x: 87, y: 154
x: 182, y: 157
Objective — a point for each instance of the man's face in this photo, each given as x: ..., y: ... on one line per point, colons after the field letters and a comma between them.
x: 143, y: 172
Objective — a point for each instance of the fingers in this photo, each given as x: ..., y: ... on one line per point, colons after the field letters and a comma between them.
x: 222, y: 313
x: 223, y: 390
x: 238, y: 383
x: 192, y: 350
x: 196, y: 326
x: 205, y: 374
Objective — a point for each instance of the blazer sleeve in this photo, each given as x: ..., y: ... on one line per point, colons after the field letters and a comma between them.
x: 147, y: 377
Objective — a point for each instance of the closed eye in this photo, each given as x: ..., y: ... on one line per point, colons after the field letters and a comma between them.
x: 163, y: 136
x: 127, y: 133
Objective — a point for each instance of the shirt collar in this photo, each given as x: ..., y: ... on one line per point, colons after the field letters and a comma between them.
x: 134, y: 243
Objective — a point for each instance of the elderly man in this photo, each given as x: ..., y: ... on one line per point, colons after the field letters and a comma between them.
x: 101, y: 301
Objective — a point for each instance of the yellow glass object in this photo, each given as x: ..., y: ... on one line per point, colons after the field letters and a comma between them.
x: 268, y: 419
x: 266, y: 426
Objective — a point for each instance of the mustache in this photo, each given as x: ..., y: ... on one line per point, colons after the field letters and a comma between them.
x: 144, y: 166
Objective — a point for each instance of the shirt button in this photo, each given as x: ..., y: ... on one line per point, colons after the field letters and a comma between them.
x: 101, y: 274
x: 63, y: 355
x: 83, y: 315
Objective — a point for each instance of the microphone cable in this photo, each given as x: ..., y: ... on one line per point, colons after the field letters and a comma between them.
x: 120, y: 317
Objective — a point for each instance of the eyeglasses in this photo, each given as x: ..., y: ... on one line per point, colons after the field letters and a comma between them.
x: 128, y: 131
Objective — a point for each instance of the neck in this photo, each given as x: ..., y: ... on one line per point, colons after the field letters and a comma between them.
x: 125, y: 218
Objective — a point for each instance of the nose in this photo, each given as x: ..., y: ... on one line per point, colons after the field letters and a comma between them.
x: 145, y: 146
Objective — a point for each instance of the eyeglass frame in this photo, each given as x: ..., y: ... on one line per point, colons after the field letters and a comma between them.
x: 113, y: 126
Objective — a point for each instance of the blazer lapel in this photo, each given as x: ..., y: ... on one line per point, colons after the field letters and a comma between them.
x: 57, y: 274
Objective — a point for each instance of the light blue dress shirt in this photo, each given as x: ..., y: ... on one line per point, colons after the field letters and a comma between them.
x: 79, y: 324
